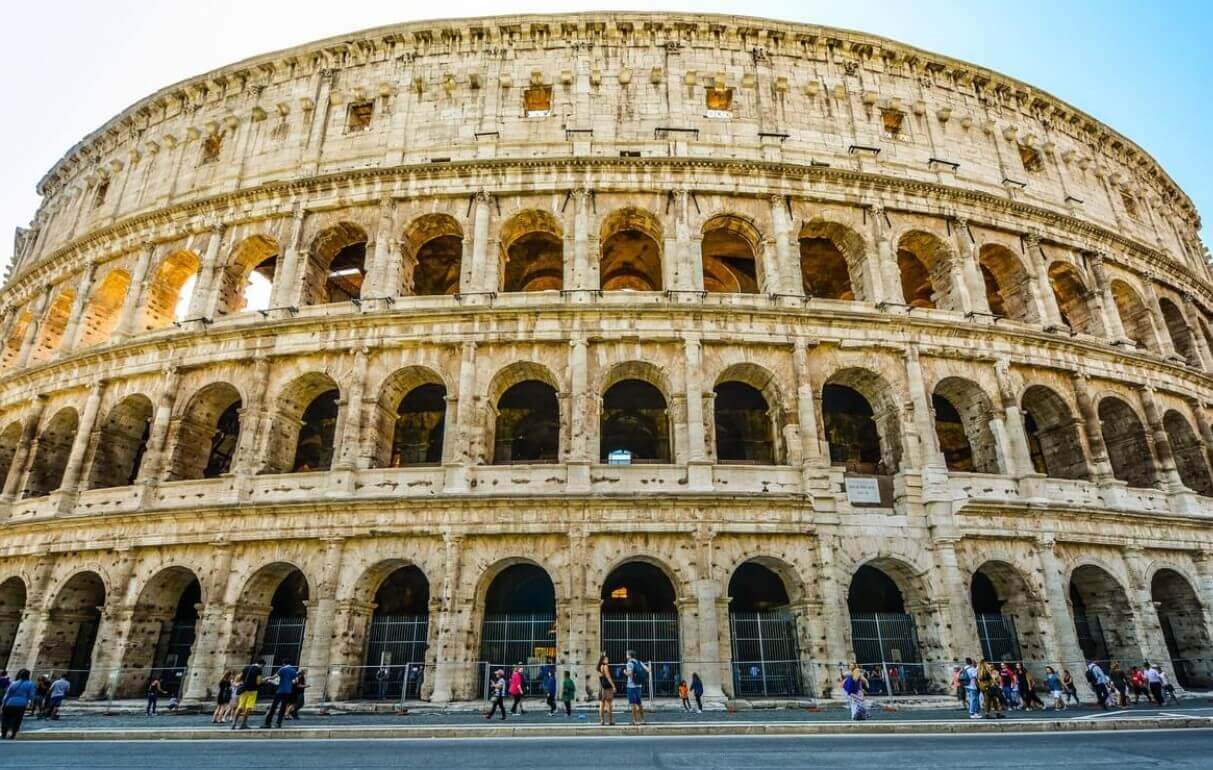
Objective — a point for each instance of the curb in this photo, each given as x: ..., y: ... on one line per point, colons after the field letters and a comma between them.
x: 697, y: 729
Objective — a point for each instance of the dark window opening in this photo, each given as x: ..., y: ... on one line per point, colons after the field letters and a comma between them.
x: 744, y: 433
x: 953, y: 440
x: 223, y: 442
x: 850, y: 429
x: 359, y: 117
x: 635, y: 419
x: 314, y: 452
x: 874, y: 591
x: 346, y: 273
x: 528, y: 424
x: 420, y: 426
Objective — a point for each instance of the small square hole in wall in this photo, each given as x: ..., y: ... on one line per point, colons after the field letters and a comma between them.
x: 211, y: 147
x: 537, y: 101
x: 1130, y: 204
x: 359, y: 116
x: 891, y: 121
x: 102, y: 190
x: 719, y: 99
x: 1030, y: 157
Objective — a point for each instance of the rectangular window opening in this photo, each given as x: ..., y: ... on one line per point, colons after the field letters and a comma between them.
x: 537, y: 101
x: 892, y: 120
x: 211, y: 147
x: 359, y: 117
x: 719, y: 100
x: 102, y: 190
x: 1030, y: 156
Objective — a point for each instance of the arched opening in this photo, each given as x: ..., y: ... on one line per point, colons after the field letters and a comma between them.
x: 728, y: 254
x: 884, y: 634
x: 532, y: 253
x: 639, y: 614
x: 16, y: 337
x: 1134, y: 316
x: 631, y: 252
x: 12, y: 606
x: 50, y: 336
x: 962, y: 424
x: 1189, y: 453
x: 745, y: 432
x: 163, y: 628
x: 1125, y: 438
x: 168, y: 292
x: 420, y: 427
x: 305, y: 427
x: 1073, y: 299
x: 1052, y: 431
x: 766, y: 649
x: 1007, y: 284
x: 435, y: 256
x: 207, y: 434
x: 314, y: 450
x: 272, y: 617
x: 1179, y: 331
x: 54, y: 446
x: 337, y: 265
x: 121, y: 443
x: 527, y: 425
x: 925, y: 264
x: 104, y: 309
x: 635, y: 420
x: 398, y: 637
x: 248, y: 280
x: 71, y: 629
x: 1007, y: 615
x: 519, y: 623
x: 9, y: 440
x: 830, y: 258
x: 861, y: 422
x: 1103, y: 617
x: 1183, y: 628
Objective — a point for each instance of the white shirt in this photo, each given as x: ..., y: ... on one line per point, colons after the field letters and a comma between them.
x: 1153, y: 676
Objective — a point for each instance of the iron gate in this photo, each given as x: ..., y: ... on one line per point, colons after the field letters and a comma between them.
x: 509, y: 639
x: 1091, y: 638
x: 82, y: 656
x: 283, y: 641
x: 174, y: 654
x: 395, y: 644
x: 653, y: 637
x: 766, y: 656
x: 999, y: 640
x: 886, y: 647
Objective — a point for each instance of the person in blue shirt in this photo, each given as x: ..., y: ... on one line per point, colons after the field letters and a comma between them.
x: 284, y: 695
x: 16, y: 700
x: 549, y: 690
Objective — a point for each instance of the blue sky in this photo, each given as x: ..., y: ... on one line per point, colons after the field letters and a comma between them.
x: 1145, y: 69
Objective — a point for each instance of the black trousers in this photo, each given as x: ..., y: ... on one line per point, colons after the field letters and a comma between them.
x: 10, y: 720
x: 517, y: 707
x: 280, y: 702
x: 551, y: 698
x: 498, y: 703
x: 1156, y: 692
x: 568, y: 708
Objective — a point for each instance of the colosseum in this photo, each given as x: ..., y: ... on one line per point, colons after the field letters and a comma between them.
x: 757, y: 347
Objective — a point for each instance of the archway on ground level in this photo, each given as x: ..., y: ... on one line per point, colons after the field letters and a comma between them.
x: 434, y: 256
x: 1008, y: 285
x: 121, y: 443
x: 277, y: 599
x: 765, y: 645
x: 104, y: 309
x: 527, y: 425
x: 532, y: 253
x: 1074, y: 301
x: 925, y: 264
x: 163, y: 628
x: 1181, y: 335
x: 884, y: 635
x: 630, y: 257
x: 10, y: 439
x: 1183, y: 628
x: 1103, y: 617
x: 519, y: 623
x: 1125, y: 439
x: 336, y: 266
x: 1053, y: 441
x: 1189, y: 452
x: 962, y: 424
x: 635, y: 419
x: 831, y: 256
x: 1134, y: 315
x: 167, y: 297
x: 728, y: 256
x: 1005, y: 611
x: 745, y: 430
x: 53, y: 449
x: 12, y: 607
x: 207, y: 434
x: 398, y: 637
x: 71, y: 629
x: 248, y: 279
x: 420, y: 427
x: 639, y: 613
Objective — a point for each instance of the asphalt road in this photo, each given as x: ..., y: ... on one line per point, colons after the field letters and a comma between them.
x: 1136, y: 749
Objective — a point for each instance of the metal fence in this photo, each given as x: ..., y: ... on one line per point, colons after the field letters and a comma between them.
x: 886, y: 646
x: 510, y: 639
x: 283, y: 642
x: 395, y: 656
x: 766, y: 655
x: 997, y: 635
x: 651, y: 636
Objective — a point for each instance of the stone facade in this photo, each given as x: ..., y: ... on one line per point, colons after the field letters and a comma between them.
x: 773, y: 261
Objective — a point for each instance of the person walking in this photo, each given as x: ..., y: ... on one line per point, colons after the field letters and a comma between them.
x: 1154, y: 681
x: 956, y: 687
x: 284, y: 694
x: 968, y: 680
x: 223, y: 699
x: 549, y: 689
x: 40, y: 705
x: 637, y: 674
x: 497, y: 694
x: 684, y: 695
x: 1167, y: 687
x: 1006, y: 680
x: 991, y: 690
x: 55, y: 694
x: 606, y: 692
x: 568, y: 693
x: 1054, y: 686
x: 1027, y: 688
x: 300, y: 695
x: 853, y: 684
x: 246, y: 701
x: 16, y: 699
x: 697, y: 691
x: 516, y: 690
x: 1099, y: 683
x: 1071, y: 690
x: 154, y: 691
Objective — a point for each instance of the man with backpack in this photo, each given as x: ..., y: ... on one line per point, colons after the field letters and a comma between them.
x: 637, y: 675
x: 968, y: 680
x: 1099, y: 683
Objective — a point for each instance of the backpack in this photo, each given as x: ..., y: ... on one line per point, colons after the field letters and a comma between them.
x: 1091, y: 678
x: 964, y: 678
x: 640, y: 675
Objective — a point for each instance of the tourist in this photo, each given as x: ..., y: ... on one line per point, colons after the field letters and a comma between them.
x: 1137, y: 680
x: 1099, y: 683
x: 516, y: 690
x: 697, y: 691
x: 956, y: 687
x: 684, y: 694
x: 991, y: 690
x: 223, y: 700
x: 250, y: 680
x: 284, y: 694
x: 853, y: 684
x: 16, y: 699
x: 40, y: 704
x: 1120, y: 682
x: 154, y: 691
x: 300, y: 695
x: 1071, y: 690
x: 55, y: 695
x: 637, y: 679
x: 1006, y: 679
x: 568, y: 693
x: 1167, y: 687
x: 548, y: 680
x: 1055, y: 687
x: 606, y: 692
x: 968, y: 679
x: 1154, y: 681
x: 497, y: 694
x: 1027, y: 688
x: 381, y: 681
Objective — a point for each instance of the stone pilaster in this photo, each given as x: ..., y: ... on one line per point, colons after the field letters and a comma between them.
x: 206, y: 291
x: 128, y: 317
x: 84, y: 431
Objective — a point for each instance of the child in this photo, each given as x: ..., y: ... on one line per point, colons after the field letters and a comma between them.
x: 684, y: 694
x: 568, y: 692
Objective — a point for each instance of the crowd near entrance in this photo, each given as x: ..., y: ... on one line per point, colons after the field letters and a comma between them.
x: 884, y: 635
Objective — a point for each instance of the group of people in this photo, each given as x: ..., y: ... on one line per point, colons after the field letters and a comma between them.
x: 1114, y: 687
x: 237, y: 695
x: 20, y: 696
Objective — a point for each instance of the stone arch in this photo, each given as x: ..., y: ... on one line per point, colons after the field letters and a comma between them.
x: 271, y: 616
x: 1008, y: 613
x: 1181, y: 335
x: 765, y: 644
x: 1125, y: 438
x: 962, y: 423
x: 207, y: 433
x: 1189, y: 452
x: 1007, y: 282
x: 1103, y: 615
x: 1072, y: 296
x: 639, y: 612
x: 1052, y: 430
x: 247, y: 281
x: 433, y: 246
x: 54, y: 324
x: 305, y: 428
x: 1134, y: 315
x: 16, y: 337
x: 631, y: 255
x: 412, y: 418
x: 635, y: 413
x: 162, y: 632
x: 395, y: 635
x: 1182, y: 619
x: 336, y: 265
x: 524, y: 421
x: 532, y: 252
x: 861, y: 419
x: 831, y: 261
x: 926, y: 266
x: 53, y: 449
x: 744, y: 424
x: 168, y: 291
x: 10, y: 439
x: 729, y: 255
x: 13, y: 596
x: 888, y: 614
x: 104, y: 309
x: 70, y: 630
x: 121, y: 443
x: 517, y: 599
